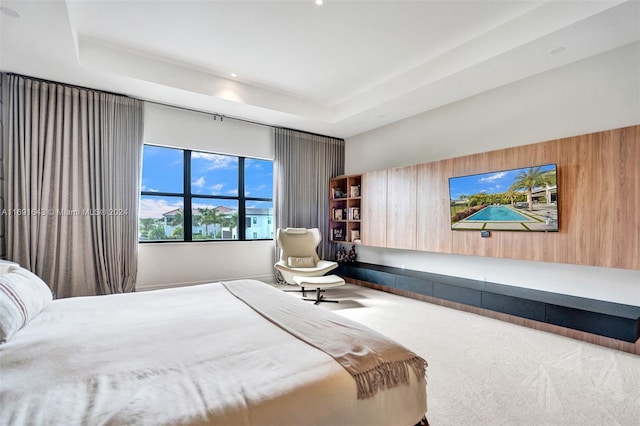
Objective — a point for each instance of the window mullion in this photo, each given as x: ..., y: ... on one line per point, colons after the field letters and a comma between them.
x: 188, y: 211
x: 242, y: 225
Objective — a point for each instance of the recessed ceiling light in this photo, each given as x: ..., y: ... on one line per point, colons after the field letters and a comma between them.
x: 319, y: 2
x: 9, y: 12
x: 556, y: 50
x: 233, y: 74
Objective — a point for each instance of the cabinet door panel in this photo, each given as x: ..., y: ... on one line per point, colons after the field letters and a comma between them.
x: 401, y: 210
x: 434, y: 217
x: 374, y: 209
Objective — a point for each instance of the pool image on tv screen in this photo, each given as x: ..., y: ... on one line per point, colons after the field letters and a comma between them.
x: 523, y: 199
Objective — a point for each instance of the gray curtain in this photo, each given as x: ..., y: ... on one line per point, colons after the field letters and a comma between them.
x: 72, y: 161
x: 3, y: 242
x: 303, y: 164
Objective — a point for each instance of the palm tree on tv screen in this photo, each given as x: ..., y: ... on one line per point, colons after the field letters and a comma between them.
x: 528, y: 180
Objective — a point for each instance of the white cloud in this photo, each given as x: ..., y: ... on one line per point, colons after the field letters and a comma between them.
x: 155, y: 207
x: 493, y: 177
x: 215, y: 161
x: 217, y: 187
x: 209, y: 205
x: 198, y: 183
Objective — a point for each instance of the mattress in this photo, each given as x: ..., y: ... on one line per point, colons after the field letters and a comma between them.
x: 191, y: 355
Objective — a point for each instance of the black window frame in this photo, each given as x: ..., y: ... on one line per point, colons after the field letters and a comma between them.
x: 187, y: 196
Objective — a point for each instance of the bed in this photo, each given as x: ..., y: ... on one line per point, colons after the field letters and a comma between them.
x: 229, y: 353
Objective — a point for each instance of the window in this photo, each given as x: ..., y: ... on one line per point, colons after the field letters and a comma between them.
x: 199, y: 196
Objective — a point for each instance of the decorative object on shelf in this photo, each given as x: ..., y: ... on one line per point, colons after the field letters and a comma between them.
x: 354, y: 213
x: 355, y: 191
x: 351, y: 257
x: 338, y: 234
x: 338, y: 214
x: 339, y: 193
x: 341, y: 255
x: 355, y: 235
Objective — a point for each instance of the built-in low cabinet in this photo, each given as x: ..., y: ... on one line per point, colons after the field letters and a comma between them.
x: 598, y: 317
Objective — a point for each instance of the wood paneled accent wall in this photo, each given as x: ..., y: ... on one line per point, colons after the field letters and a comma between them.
x: 599, y: 202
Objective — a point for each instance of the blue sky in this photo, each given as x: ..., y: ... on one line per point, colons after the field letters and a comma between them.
x: 211, y: 174
x: 491, y: 183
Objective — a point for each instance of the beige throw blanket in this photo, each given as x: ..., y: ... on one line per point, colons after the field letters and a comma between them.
x: 373, y: 360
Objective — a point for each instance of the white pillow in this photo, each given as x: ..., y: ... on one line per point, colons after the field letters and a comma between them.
x: 5, y: 265
x: 23, y: 295
x: 301, y: 262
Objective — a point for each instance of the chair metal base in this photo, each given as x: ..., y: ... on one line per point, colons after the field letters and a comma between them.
x: 319, y: 297
x: 302, y: 290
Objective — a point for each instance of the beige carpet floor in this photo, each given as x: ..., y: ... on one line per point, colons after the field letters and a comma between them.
x: 488, y: 372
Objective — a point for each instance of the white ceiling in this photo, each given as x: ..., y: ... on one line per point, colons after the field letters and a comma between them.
x: 339, y: 69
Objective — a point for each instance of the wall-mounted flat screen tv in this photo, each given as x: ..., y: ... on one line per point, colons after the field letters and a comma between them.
x: 523, y: 199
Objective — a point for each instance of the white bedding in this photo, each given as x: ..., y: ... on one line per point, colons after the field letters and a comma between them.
x: 193, y: 355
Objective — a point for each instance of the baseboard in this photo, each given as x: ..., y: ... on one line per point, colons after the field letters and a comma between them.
x: 269, y: 279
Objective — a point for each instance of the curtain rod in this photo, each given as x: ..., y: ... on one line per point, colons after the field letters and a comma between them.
x: 171, y: 106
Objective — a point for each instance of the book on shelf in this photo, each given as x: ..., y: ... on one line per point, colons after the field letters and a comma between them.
x: 338, y: 214
x: 355, y: 191
x: 354, y: 213
x: 337, y: 234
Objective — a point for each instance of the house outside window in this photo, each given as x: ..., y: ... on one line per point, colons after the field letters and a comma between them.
x: 198, y: 196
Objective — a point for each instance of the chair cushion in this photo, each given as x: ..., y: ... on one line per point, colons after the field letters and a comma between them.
x: 301, y: 262
x: 23, y: 295
x: 295, y: 230
x: 324, y: 281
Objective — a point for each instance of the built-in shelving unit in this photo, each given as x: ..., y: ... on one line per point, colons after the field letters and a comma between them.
x: 345, y: 208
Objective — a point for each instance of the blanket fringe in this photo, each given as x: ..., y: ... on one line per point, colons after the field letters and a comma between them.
x: 388, y: 375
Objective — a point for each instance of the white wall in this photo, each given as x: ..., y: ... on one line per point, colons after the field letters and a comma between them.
x: 598, y: 93
x: 170, y: 264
